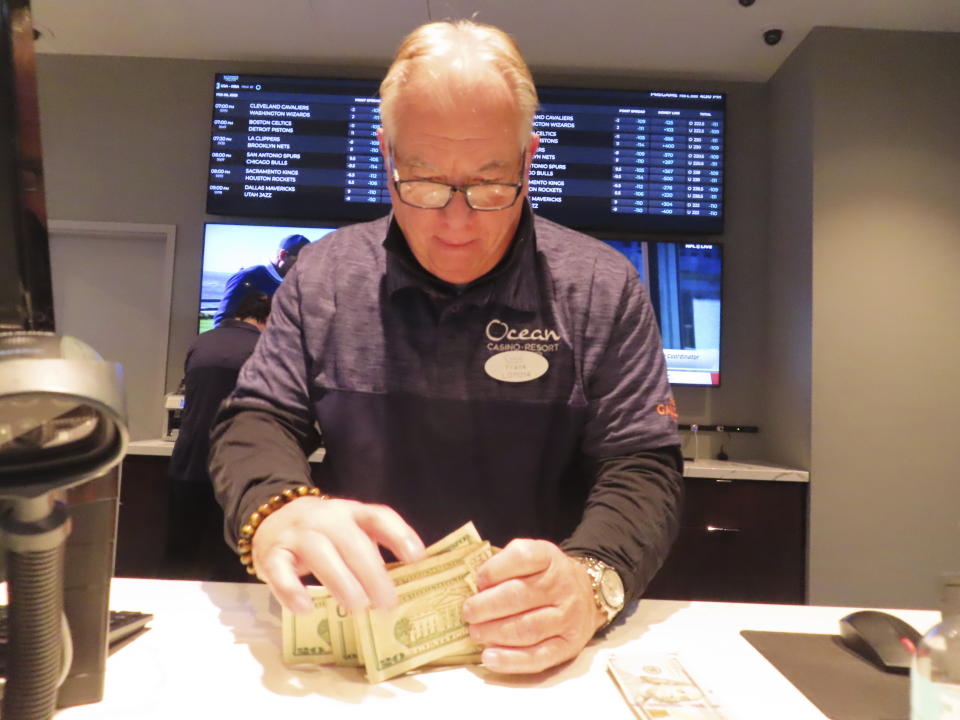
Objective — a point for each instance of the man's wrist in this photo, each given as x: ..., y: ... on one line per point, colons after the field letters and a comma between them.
x: 598, y: 616
x: 606, y: 586
x: 248, y: 530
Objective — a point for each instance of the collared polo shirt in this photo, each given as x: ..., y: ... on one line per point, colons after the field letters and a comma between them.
x: 486, y: 402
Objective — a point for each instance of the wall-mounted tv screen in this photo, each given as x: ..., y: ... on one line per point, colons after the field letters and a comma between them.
x: 609, y: 160
x: 230, y: 250
x: 685, y: 281
x: 636, y: 161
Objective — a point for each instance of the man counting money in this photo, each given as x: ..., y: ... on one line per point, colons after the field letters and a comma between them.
x: 463, y: 360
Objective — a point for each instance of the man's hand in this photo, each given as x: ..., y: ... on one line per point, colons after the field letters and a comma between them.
x: 534, y: 609
x: 336, y: 540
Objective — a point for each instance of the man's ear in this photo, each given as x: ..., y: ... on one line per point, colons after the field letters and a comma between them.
x: 531, y: 151
x: 534, y: 144
x: 384, y: 147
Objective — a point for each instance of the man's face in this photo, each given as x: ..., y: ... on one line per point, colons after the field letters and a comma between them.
x: 286, y: 259
x: 477, y: 142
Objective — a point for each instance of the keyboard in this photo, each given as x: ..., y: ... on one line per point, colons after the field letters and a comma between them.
x: 123, y: 624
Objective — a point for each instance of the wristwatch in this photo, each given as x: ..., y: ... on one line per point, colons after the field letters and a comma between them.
x: 608, y: 591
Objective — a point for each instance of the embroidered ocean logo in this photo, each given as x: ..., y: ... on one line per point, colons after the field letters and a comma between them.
x: 501, y: 338
x: 519, y: 353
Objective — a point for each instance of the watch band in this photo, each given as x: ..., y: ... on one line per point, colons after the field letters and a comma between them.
x: 608, y: 592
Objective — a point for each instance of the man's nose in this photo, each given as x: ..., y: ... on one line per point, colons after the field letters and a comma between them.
x: 457, y: 212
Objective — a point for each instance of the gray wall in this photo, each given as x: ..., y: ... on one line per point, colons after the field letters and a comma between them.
x: 870, y: 228
x: 126, y: 139
x: 786, y: 412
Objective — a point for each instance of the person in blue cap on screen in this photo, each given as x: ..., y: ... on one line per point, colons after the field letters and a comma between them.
x: 262, y: 278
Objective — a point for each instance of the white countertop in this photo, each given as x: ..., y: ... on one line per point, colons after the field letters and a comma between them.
x: 150, y: 447
x: 213, y: 651
x: 162, y: 447
x: 719, y: 469
x: 752, y: 470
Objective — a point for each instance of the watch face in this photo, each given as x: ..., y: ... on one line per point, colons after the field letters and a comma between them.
x: 611, y: 587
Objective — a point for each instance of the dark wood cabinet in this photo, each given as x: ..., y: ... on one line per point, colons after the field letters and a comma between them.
x: 142, y: 521
x: 150, y: 520
x: 739, y: 541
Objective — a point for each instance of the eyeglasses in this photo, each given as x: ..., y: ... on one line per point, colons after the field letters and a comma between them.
x: 432, y: 195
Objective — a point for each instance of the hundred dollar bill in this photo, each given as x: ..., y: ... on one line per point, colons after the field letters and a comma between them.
x: 427, y: 624
x: 306, y: 638
x: 658, y: 687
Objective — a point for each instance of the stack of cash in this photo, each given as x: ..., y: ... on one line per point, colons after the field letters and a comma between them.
x: 426, y: 627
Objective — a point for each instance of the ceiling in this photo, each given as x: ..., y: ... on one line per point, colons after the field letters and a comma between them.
x: 706, y: 39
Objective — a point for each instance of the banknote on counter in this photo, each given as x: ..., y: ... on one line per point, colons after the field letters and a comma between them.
x: 307, y: 638
x: 425, y: 629
x: 658, y: 687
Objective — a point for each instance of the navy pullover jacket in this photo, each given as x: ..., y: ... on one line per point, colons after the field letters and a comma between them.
x: 394, y: 367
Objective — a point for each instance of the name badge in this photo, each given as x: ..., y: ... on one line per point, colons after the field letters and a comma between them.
x: 516, y: 366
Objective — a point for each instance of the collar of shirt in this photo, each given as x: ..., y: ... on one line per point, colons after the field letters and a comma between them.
x: 272, y: 269
x: 240, y: 324
x: 512, y: 282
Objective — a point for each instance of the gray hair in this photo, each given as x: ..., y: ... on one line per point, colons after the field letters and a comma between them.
x: 461, y: 54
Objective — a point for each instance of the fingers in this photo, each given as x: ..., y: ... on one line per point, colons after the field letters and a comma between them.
x: 385, y: 526
x: 508, y: 598
x: 276, y: 569
x: 532, y: 659
x: 335, y: 540
x: 359, y: 556
x: 535, y: 610
x: 518, y: 578
x: 521, y: 630
x: 520, y: 558
x: 350, y: 567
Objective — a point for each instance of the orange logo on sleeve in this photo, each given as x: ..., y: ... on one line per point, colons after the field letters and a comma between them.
x: 668, y: 408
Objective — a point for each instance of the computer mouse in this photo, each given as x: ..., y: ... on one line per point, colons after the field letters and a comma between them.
x: 882, y: 639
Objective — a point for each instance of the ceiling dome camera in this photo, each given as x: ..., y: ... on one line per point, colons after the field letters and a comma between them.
x: 747, y: 3
x: 772, y: 36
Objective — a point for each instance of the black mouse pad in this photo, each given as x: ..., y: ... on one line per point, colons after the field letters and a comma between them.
x: 841, y: 684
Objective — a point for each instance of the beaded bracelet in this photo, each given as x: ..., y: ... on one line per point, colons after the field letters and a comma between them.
x: 245, y: 543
